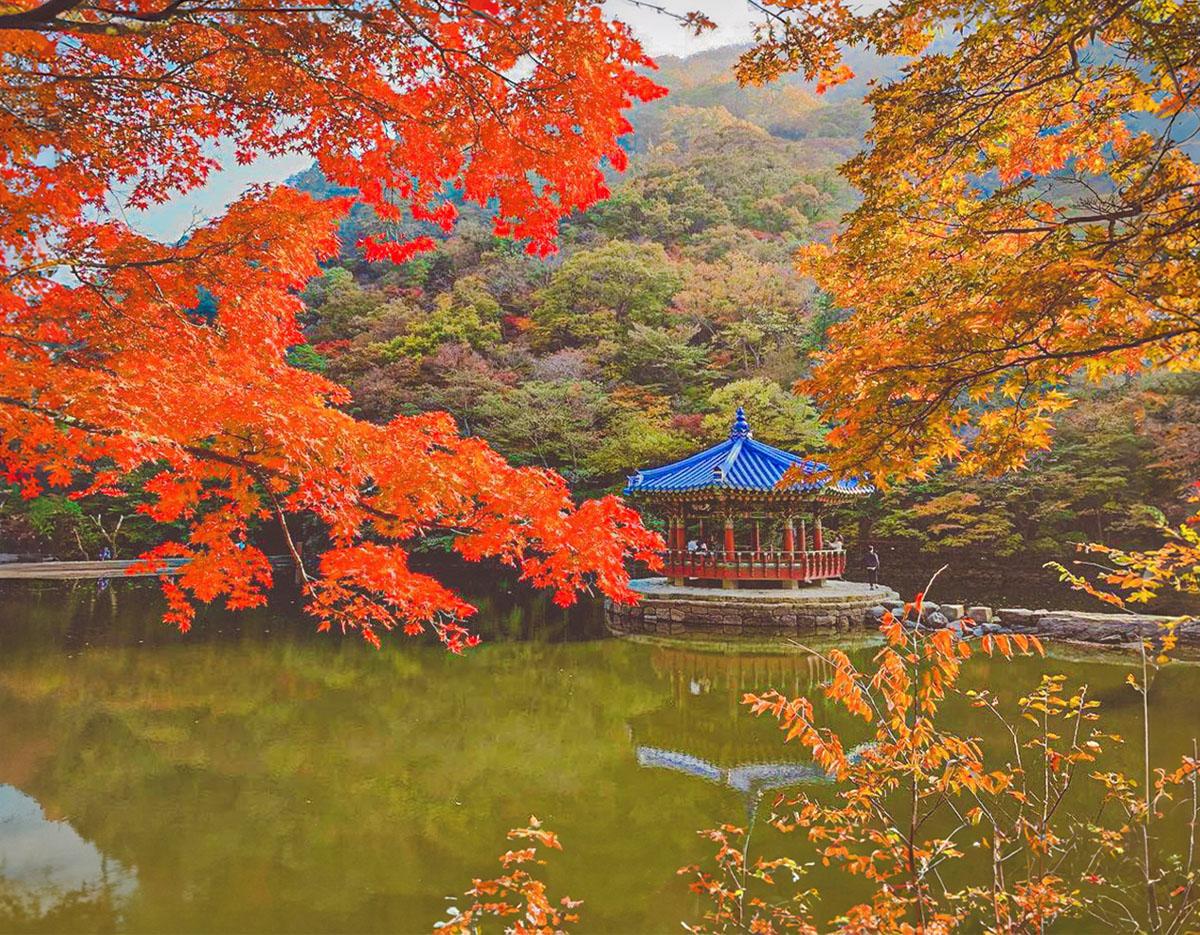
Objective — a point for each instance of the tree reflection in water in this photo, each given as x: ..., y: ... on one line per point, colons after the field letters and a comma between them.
x: 49, y: 872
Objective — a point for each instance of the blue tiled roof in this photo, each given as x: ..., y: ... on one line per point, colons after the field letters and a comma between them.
x: 739, y: 463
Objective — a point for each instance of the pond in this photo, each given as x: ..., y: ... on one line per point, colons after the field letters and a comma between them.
x: 254, y: 776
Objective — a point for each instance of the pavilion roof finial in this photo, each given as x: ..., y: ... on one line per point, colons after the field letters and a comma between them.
x: 741, y: 425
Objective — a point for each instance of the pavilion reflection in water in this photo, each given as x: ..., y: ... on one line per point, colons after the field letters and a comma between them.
x: 706, y: 732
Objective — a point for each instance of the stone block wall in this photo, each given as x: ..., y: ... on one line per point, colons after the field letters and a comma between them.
x: 727, y: 616
x: 722, y: 613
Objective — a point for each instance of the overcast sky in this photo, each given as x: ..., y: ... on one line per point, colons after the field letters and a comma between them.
x: 661, y: 35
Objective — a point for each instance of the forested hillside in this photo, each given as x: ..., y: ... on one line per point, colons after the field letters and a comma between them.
x: 666, y: 305
x: 676, y: 299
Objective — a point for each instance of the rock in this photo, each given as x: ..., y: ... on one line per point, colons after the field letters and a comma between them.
x: 928, y: 608
x: 935, y: 621
x: 893, y: 606
x: 980, y: 614
x: 1109, y: 629
x: 954, y: 611
x: 1019, y: 618
x: 987, y: 629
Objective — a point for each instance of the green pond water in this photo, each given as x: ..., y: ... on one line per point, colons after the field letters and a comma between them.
x: 256, y: 777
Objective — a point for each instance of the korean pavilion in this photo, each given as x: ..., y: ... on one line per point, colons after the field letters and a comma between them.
x: 750, y: 529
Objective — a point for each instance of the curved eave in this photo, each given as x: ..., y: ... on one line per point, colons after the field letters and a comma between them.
x: 745, y: 469
x: 715, y: 491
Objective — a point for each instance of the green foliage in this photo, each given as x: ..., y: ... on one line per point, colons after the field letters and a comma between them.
x: 599, y: 293
x: 667, y: 207
x: 53, y: 515
x: 961, y: 520
x: 763, y: 183
x: 346, y: 307
x: 467, y: 315
x: 551, y: 423
x: 777, y: 416
x: 72, y: 527
x: 640, y: 432
x: 752, y: 310
x: 1118, y: 456
x: 667, y: 359
x: 305, y: 357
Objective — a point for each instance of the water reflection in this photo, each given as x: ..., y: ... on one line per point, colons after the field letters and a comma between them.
x: 749, y: 778
x: 262, y: 778
x: 48, y: 868
x: 706, y: 687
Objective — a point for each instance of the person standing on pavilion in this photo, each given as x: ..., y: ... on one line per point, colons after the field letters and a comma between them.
x: 871, y: 564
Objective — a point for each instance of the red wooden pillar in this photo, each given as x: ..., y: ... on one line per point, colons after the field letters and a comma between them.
x: 789, y: 553
x: 819, y: 547
x: 730, y: 556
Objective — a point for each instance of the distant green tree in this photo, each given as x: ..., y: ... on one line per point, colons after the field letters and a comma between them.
x: 60, y: 525
x: 765, y: 183
x: 318, y: 289
x: 1103, y: 479
x: 749, y: 309
x: 600, y: 292
x: 342, y: 308
x: 665, y: 205
x: 961, y: 520
x: 551, y: 423
x: 466, y: 315
x: 669, y: 359
x: 461, y: 381
x: 639, y: 431
x: 776, y: 416
x: 305, y: 357
x: 77, y: 527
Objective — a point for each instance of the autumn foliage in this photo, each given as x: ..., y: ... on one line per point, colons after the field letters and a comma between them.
x: 1029, y: 214
x: 912, y: 800
x: 109, y: 365
x: 517, y: 896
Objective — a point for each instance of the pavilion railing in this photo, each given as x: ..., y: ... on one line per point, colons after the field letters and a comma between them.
x: 762, y: 565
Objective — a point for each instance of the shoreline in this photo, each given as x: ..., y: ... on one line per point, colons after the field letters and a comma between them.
x: 112, y: 568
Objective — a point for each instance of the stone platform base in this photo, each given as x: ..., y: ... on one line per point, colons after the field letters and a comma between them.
x: 670, y: 610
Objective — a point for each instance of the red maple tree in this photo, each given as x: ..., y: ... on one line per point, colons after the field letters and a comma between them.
x: 106, y: 365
